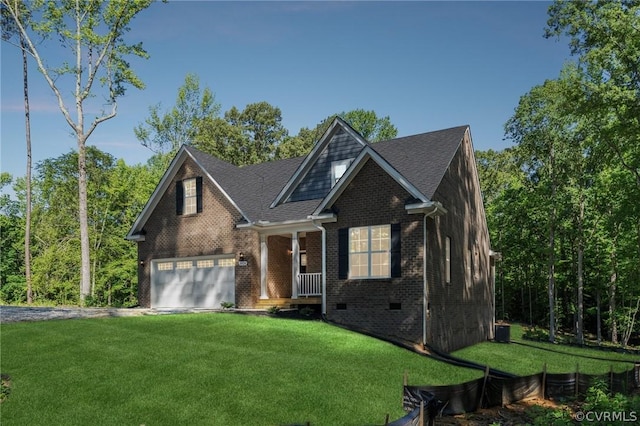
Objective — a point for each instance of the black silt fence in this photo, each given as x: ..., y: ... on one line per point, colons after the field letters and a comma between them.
x: 499, y: 391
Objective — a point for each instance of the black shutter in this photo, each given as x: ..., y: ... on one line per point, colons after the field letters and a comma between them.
x: 396, y: 252
x: 179, y: 197
x: 199, y: 194
x: 343, y: 253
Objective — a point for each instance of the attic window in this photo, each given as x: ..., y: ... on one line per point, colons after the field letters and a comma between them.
x: 189, y: 196
x: 338, y: 168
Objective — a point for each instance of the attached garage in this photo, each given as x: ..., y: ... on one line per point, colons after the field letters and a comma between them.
x: 195, y: 282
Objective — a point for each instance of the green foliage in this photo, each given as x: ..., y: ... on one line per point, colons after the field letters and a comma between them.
x: 273, y: 310
x: 227, y: 305
x: 5, y: 387
x: 307, y: 311
x: 535, y: 333
x: 562, y: 204
x: 116, y: 194
x: 165, y: 133
x: 545, y: 416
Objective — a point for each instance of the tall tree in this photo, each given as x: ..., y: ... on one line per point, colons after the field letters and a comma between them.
x: 367, y: 123
x: 165, y: 133
x: 543, y: 132
x: 9, y: 30
x: 92, y: 33
x: 605, y: 35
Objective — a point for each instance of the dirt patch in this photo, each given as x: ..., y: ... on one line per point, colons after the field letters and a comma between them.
x: 512, y: 414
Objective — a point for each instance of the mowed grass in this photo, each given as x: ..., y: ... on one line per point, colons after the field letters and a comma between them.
x: 530, y: 358
x: 205, y: 369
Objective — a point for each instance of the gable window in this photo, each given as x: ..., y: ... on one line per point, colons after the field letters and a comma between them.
x: 338, y: 168
x: 189, y: 196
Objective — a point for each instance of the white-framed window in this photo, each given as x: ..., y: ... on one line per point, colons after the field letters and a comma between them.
x: 184, y: 264
x: 190, y: 204
x: 338, y: 168
x: 447, y: 260
x: 226, y: 262
x: 207, y: 263
x: 370, y: 252
x: 165, y: 266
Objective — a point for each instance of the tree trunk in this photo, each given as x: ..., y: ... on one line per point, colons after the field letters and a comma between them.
x: 612, y: 307
x: 552, y: 249
x: 580, y: 313
x: 630, y: 323
x: 598, y: 318
x: 85, y: 269
x: 27, y: 125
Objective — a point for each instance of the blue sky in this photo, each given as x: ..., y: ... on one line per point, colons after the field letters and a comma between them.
x: 426, y: 65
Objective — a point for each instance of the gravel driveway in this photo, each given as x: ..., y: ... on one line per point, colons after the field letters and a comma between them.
x: 32, y: 313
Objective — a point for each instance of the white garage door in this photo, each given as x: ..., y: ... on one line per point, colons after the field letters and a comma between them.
x: 201, y: 282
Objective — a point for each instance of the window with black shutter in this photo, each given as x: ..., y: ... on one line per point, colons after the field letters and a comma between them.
x: 189, y: 196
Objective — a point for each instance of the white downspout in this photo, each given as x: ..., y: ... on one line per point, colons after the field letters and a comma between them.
x: 295, y: 264
x: 324, y: 266
x: 425, y: 296
x: 264, y: 260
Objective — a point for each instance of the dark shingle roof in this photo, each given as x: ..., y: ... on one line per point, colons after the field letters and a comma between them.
x: 422, y: 159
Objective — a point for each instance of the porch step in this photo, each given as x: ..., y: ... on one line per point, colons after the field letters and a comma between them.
x: 286, y: 303
x: 267, y: 303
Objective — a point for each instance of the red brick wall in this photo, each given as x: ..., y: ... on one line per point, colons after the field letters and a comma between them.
x: 279, y: 270
x: 313, y: 245
x: 211, y: 232
x: 374, y: 198
x: 460, y: 312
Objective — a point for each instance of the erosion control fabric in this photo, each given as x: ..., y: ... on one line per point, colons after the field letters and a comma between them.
x: 494, y: 391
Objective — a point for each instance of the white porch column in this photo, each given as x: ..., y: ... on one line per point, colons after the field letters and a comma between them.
x: 264, y: 260
x: 295, y: 264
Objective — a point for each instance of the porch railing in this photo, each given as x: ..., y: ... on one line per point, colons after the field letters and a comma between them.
x: 310, y: 284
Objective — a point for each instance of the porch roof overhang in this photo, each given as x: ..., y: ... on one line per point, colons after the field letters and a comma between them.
x: 268, y: 227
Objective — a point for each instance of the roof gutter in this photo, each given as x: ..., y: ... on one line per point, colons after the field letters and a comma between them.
x: 428, y: 208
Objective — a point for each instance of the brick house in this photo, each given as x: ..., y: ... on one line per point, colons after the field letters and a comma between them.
x: 390, y: 238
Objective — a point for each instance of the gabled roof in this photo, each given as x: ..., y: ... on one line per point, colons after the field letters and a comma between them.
x: 308, y: 162
x: 423, y: 159
x: 259, y: 192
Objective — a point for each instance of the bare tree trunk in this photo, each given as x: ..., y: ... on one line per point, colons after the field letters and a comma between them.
x: 580, y: 313
x: 631, y: 319
x: 612, y: 306
x: 598, y: 318
x: 27, y: 125
x: 85, y: 271
x: 552, y: 250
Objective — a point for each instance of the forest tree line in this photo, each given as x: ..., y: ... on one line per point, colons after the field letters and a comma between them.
x: 562, y: 204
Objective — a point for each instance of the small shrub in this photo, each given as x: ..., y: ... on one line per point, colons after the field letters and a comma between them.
x: 537, y: 334
x: 307, y: 311
x: 227, y: 305
x: 600, y: 399
x: 543, y: 416
x: 273, y: 309
x: 5, y: 386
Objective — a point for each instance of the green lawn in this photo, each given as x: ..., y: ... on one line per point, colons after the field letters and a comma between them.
x: 526, y: 360
x: 221, y: 369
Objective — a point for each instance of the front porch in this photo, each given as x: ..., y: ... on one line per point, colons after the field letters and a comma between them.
x: 291, y: 269
x: 288, y: 303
